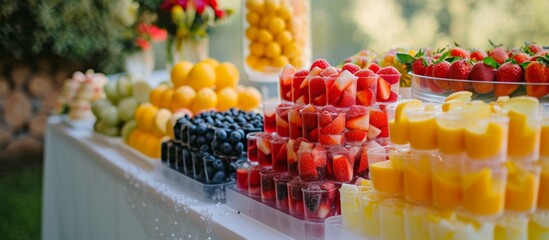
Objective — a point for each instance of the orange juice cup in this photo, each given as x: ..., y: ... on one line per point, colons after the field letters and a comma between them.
x: 447, y: 193
x: 386, y: 169
x: 450, y: 134
x: 511, y: 227
x: 398, y: 132
x: 486, y: 139
x: 416, y: 221
x: 392, y: 219
x: 543, y: 193
x: 369, y: 210
x: 521, y: 192
x: 422, y: 129
x: 544, y: 142
x: 538, y: 228
x: 483, y: 188
x: 524, y: 137
x: 417, y: 178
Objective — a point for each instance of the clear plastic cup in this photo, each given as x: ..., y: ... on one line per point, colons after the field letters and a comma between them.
x: 340, y: 164
x: 369, y: 202
x: 267, y: 186
x: 486, y: 139
x: 309, y: 116
x: 320, y: 200
x: 483, y: 186
x: 359, y: 158
x: 392, y: 218
x: 394, y: 81
x: 243, y: 166
x: 331, y: 126
x: 511, y: 227
x: 399, y: 133
x: 524, y: 137
x: 269, y: 117
x: 291, y: 156
x: 252, y: 146
x: 350, y: 212
x: 450, y: 134
x: 282, y: 122
x: 281, y: 186
x: 312, y: 164
x: 341, y: 90
x: 544, y: 142
x: 317, y: 91
x: 254, y: 180
x: 543, y: 193
x: 295, y: 199
x: 416, y: 221
x: 538, y: 228
x: 279, y: 154
x: 386, y: 169
x: 417, y: 178
x: 521, y: 192
x: 446, y: 174
x: 264, y: 149
x: 285, y: 87
x: 295, y: 122
x: 422, y: 128
x: 366, y: 90
x: 357, y: 125
x: 448, y: 226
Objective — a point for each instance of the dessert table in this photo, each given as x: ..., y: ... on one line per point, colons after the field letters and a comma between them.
x: 93, y: 189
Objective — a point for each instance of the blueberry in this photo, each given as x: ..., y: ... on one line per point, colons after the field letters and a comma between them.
x: 234, y: 126
x: 232, y: 166
x: 235, y: 137
x: 218, y: 116
x: 200, y: 141
x: 248, y: 126
x: 201, y: 129
x: 218, y: 164
x: 220, y: 135
x: 218, y: 177
x: 281, y: 192
x: 312, y: 201
x: 218, y: 123
x: 209, y: 136
x: 209, y: 120
x: 229, y: 119
x: 215, y: 145
x: 238, y: 148
x: 204, y: 148
x: 192, y: 139
x: 232, y: 176
x: 240, y: 120
x: 226, y: 148
x: 192, y: 129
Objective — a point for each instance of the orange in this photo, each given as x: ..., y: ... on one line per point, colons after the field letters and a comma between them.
x: 204, y: 99
x: 226, y: 98
x: 249, y: 99
x: 202, y: 75
x: 166, y: 100
x: 156, y: 95
x: 227, y: 75
x: 183, y: 97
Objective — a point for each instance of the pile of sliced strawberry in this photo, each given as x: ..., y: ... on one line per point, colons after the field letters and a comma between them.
x: 331, y: 125
x: 282, y: 126
x: 379, y: 125
x: 296, y: 123
x: 311, y: 162
x: 309, y: 117
x: 357, y: 124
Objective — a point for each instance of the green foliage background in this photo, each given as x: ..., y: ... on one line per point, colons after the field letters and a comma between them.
x: 85, y: 31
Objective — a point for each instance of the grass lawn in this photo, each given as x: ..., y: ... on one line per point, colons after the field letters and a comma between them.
x: 20, y: 199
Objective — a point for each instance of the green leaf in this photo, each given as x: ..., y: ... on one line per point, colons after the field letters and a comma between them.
x: 490, y: 62
x: 404, y: 58
x: 524, y: 65
x: 444, y: 56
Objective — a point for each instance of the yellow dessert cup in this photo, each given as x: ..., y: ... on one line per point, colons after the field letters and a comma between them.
x: 369, y: 212
x: 422, y: 129
x: 392, y: 219
x: 417, y: 178
x: 524, y: 136
x: 350, y: 214
x: 459, y: 228
x: 538, y: 227
x: 521, y: 191
x: 511, y: 227
x: 447, y: 190
x: 543, y: 193
x: 450, y: 134
x: 416, y: 221
x: 486, y: 139
x: 386, y: 169
x: 483, y: 187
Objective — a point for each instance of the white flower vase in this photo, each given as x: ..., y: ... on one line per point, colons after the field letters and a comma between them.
x: 190, y: 49
x: 140, y: 64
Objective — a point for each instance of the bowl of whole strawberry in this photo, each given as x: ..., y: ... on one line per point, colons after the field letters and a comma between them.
x: 488, y: 75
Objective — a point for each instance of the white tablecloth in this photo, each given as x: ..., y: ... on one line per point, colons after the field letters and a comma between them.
x: 94, y: 190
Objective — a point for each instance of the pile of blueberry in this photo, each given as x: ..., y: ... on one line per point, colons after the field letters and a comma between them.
x: 207, y: 146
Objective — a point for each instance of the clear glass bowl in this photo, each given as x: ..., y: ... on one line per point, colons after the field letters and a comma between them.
x: 432, y: 89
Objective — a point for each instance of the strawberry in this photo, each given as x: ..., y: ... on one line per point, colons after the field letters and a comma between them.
x: 329, y: 71
x: 331, y: 139
x: 459, y: 52
x: 346, y: 100
x: 361, y: 123
x: 384, y: 132
x: 373, y: 132
x: 362, y: 164
x: 353, y: 68
x: 374, y: 67
x: 307, y: 167
x: 336, y: 126
x: 356, y: 136
x: 383, y: 89
x: 536, y: 72
x: 429, y: 70
x: 534, y: 48
x: 366, y: 78
x: 343, y: 171
x: 440, y: 70
x: 520, y: 57
x: 459, y: 70
x: 301, y: 73
x: 365, y: 97
x: 508, y: 72
x: 321, y: 63
x: 390, y: 74
x: 499, y: 54
x: 419, y: 65
x: 478, y: 55
x: 482, y: 72
x: 393, y: 97
x: 378, y: 119
x: 319, y: 155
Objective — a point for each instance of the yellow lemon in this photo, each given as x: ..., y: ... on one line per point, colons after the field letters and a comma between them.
x: 251, y: 33
x: 252, y: 61
x: 266, y: 20
x: 156, y: 95
x: 226, y: 98
x: 280, y: 61
x: 284, y: 37
x: 464, y: 96
x: 291, y: 50
x: 211, y: 61
x: 204, y: 99
x: 179, y: 73
x: 249, y: 99
x: 183, y: 97
x: 227, y: 75
x: 147, y: 121
x: 139, y: 111
x: 255, y: 5
x: 252, y: 18
x: 277, y: 25
x: 285, y: 11
x: 201, y: 76
x: 272, y: 5
x: 272, y: 50
x: 257, y: 49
